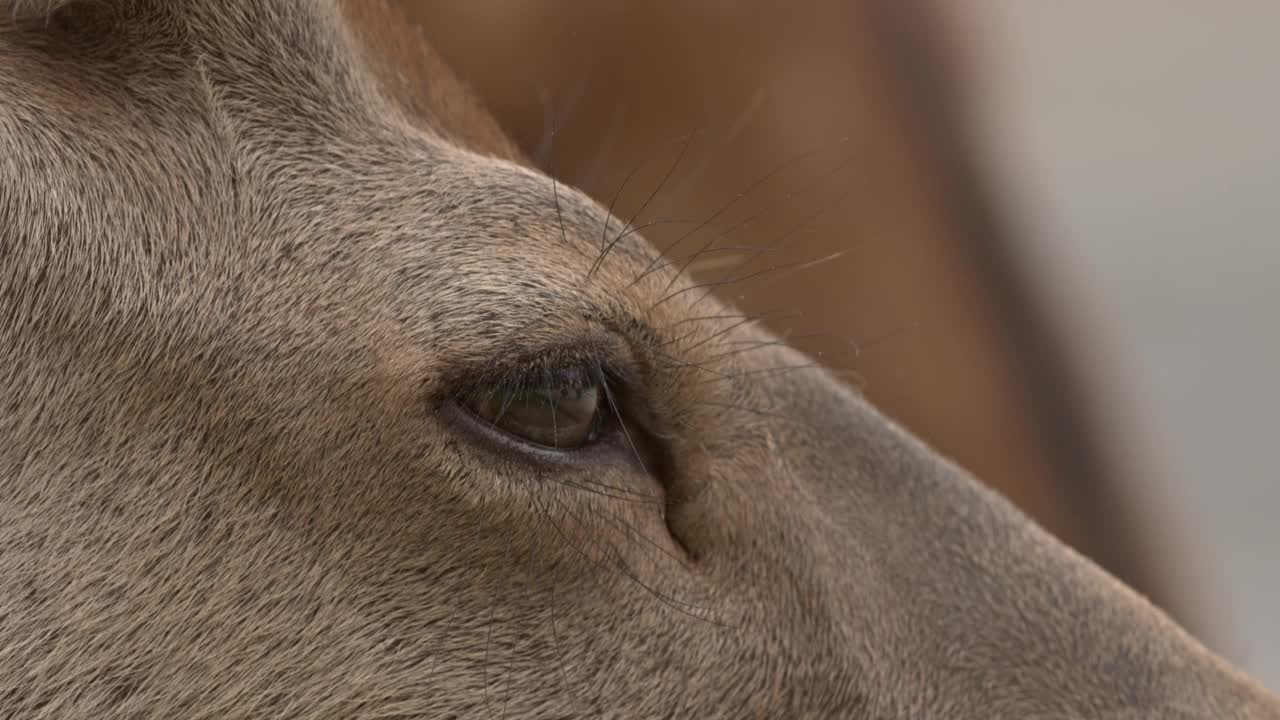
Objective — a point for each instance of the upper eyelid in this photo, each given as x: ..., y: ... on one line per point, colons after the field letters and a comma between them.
x: 609, y: 340
x: 537, y: 365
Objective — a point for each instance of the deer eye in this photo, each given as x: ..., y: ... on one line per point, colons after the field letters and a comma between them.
x: 560, y: 410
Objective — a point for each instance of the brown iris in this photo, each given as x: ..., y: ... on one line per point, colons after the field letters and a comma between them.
x: 557, y: 410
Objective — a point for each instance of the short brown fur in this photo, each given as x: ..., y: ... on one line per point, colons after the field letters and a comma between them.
x: 244, y: 270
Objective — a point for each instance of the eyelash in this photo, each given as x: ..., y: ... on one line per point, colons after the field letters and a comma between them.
x: 521, y: 406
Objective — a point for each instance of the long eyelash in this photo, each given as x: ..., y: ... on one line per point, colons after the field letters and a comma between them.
x: 506, y: 403
x: 599, y: 374
x: 551, y: 402
x: 608, y: 394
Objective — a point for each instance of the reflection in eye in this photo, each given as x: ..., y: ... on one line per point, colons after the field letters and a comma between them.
x: 559, y: 410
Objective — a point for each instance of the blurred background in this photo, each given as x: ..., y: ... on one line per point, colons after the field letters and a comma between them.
x: 1041, y: 234
x: 1140, y: 143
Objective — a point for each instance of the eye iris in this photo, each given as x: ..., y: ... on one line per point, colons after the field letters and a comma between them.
x: 560, y: 413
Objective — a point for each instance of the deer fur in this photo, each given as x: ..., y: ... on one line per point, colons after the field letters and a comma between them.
x: 246, y: 263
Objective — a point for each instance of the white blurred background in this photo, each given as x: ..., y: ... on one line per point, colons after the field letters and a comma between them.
x: 1143, y: 137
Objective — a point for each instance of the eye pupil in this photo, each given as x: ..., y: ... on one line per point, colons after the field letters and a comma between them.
x: 558, y: 411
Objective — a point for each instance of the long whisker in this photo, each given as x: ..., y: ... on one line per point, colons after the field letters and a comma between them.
x: 692, y: 258
x: 711, y: 285
x: 604, y: 229
x: 739, y: 124
x: 488, y: 642
x: 738, y: 319
x: 785, y: 341
x: 613, y: 202
x: 620, y: 565
x: 645, y: 539
x: 750, y: 188
x: 709, y: 246
x: 682, y: 363
x: 704, y: 318
x: 766, y: 372
x: 622, y: 233
x: 655, y: 223
x: 546, y: 104
x: 720, y: 333
x: 553, y: 119
x: 555, y: 632
x: 618, y: 414
x: 589, y: 181
x: 555, y: 191
x: 787, y: 235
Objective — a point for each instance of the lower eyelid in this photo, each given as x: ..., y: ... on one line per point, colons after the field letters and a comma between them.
x: 492, y: 440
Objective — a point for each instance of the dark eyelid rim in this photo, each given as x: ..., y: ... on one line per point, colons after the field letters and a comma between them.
x: 603, y: 358
x: 609, y: 356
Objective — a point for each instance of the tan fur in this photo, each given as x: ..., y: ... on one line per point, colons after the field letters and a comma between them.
x: 242, y: 274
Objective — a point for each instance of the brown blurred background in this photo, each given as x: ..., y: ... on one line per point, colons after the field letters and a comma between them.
x: 846, y: 161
